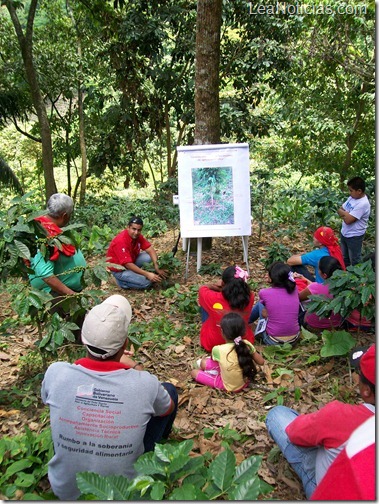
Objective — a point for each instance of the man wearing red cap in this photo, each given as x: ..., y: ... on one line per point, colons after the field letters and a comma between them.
x: 311, y: 442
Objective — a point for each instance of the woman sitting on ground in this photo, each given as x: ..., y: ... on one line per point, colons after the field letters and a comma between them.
x: 230, y: 294
x: 327, y: 243
x: 327, y: 266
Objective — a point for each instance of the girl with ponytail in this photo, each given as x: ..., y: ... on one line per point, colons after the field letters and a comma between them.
x: 279, y: 305
x: 233, y: 364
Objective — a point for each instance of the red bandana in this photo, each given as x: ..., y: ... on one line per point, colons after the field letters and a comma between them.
x: 54, y: 230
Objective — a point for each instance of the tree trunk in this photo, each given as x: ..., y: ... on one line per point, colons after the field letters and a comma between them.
x: 207, y: 80
x: 207, y: 66
x: 26, y: 45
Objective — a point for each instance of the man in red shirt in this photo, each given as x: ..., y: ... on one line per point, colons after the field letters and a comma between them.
x: 311, y: 442
x: 131, y: 250
x: 352, y: 474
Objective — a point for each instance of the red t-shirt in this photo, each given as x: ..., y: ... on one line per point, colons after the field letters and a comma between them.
x: 123, y: 249
x: 352, y: 474
x: 330, y: 426
x: 217, y: 306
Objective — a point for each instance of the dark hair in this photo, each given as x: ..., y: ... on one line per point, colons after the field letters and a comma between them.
x: 235, y: 290
x: 135, y: 220
x: 357, y: 183
x: 232, y: 326
x: 328, y: 265
x: 279, y: 274
x: 367, y: 382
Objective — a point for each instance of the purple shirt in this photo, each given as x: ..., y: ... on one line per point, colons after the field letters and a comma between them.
x: 283, y: 311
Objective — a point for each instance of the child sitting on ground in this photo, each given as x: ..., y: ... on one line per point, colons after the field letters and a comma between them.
x: 232, y: 365
x: 279, y: 305
x: 327, y: 266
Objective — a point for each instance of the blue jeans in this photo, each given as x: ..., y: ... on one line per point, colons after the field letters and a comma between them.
x: 352, y: 249
x: 302, y: 459
x: 127, y: 279
x: 303, y: 270
x: 159, y: 428
x: 204, y: 315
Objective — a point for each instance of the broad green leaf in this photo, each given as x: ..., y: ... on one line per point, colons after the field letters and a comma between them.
x: 188, y: 492
x: 24, y: 480
x: 23, y: 250
x: 18, y: 466
x: 308, y: 335
x: 157, y: 490
x: 222, y: 468
x: 247, y: 469
x: 149, y: 464
x: 103, y: 487
x: 336, y: 343
x: 249, y: 490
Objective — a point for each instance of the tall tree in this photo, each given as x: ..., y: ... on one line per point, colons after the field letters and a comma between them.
x: 25, y: 40
x: 207, y: 80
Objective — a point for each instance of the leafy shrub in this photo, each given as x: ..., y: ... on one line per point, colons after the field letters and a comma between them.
x: 351, y: 289
x: 211, y: 269
x: 24, y: 461
x: 170, y: 473
x: 276, y: 252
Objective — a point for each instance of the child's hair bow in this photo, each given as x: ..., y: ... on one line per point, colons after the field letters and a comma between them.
x: 240, y: 273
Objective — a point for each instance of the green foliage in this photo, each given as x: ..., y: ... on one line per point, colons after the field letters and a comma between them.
x: 162, y: 331
x: 170, y: 473
x: 185, y: 301
x: 24, y: 461
x: 211, y: 269
x: 336, y: 343
x: 276, y: 252
x: 351, y: 289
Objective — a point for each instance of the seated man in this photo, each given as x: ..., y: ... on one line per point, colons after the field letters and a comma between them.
x: 131, y: 250
x: 105, y: 410
x: 61, y: 274
x: 352, y: 476
x: 311, y: 442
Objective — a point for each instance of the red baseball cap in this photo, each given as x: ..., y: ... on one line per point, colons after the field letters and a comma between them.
x: 367, y: 364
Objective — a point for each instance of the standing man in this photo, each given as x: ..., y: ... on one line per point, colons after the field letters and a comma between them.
x: 105, y: 410
x: 131, y: 250
x: 354, y: 213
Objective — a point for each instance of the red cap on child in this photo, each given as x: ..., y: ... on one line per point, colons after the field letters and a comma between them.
x: 367, y: 364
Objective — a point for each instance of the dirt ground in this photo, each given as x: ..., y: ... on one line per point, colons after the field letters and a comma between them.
x: 201, y: 407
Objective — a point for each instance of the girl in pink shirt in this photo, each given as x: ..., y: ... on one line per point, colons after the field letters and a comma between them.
x: 327, y: 266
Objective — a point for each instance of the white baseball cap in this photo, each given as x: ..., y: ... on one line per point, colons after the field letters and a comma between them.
x: 105, y: 327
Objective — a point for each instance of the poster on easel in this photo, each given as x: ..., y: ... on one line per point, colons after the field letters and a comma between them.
x: 214, y: 190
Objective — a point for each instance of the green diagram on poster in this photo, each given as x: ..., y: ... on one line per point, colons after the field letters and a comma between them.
x: 214, y: 190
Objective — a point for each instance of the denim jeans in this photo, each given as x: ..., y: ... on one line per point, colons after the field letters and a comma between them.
x: 204, y: 315
x: 302, y: 459
x: 303, y: 270
x: 352, y: 249
x: 159, y: 428
x: 127, y: 279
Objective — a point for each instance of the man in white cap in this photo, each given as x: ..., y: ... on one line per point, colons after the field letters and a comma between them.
x: 105, y: 411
